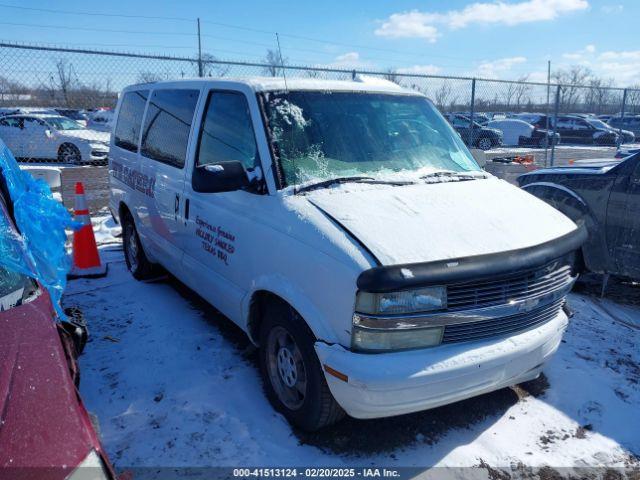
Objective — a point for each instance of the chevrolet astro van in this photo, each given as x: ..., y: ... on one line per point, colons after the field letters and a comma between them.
x: 348, y: 230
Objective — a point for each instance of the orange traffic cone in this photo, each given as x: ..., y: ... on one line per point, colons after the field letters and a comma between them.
x: 86, y: 260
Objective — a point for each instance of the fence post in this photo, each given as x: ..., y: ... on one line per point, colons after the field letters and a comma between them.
x: 473, y: 105
x: 624, y: 105
x: 555, y: 124
x: 200, y: 69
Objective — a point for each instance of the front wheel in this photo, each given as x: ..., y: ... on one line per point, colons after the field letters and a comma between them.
x: 292, y: 375
x: 137, y: 263
x: 485, y: 143
x: 69, y: 153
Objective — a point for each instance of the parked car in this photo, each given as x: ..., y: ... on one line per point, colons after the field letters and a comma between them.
x: 579, y: 130
x: 45, y: 430
x: 480, y: 137
x: 73, y: 114
x: 336, y: 222
x: 101, y: 120
x: 53, y: 137
x: 628, y: 122
x: 538, y: 120
x: 521, y: 133
x: 625, y: 135
x: 603, y: 195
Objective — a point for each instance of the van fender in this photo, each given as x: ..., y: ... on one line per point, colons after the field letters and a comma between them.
x: 288, y: 291
x: 571, y: 204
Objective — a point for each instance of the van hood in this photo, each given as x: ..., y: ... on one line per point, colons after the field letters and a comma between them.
x: 440, y: 221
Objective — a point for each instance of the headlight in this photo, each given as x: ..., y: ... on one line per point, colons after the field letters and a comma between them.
x: 91, y: 468
x: 407, y: 301
x: 375, y: 340
x: 379, y: 323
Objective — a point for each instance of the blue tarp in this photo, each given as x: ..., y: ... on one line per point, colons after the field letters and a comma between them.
x: 40, y: 249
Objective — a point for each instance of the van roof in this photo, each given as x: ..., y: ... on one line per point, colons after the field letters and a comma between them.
x: 362, y: 83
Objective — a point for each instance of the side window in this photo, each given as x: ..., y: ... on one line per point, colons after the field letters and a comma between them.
x: 129, y: 123
x: 165, y: 135
x: 227, y: 133
x: 11, y: 122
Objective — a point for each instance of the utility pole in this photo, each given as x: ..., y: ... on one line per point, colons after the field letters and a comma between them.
x: 200, y: 70
x: 546, y: 145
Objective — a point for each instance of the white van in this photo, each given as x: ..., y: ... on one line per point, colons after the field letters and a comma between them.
x: 348, y: 230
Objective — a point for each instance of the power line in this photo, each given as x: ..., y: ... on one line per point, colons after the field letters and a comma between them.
x: 221, y: 24
x: 94, y: 14
x: 90, y: 29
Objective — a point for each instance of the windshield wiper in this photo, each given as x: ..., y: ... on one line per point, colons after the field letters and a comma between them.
x: 448, y: 175
x: 339, y: 180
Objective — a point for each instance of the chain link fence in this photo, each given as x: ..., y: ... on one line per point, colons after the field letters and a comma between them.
x: 84, y: 84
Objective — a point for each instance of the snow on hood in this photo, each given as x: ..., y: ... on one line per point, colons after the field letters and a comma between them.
x: 86, y: 134
x: 428, y: 222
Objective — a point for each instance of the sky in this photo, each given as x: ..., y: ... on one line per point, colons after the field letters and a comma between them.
x: 507, y: 39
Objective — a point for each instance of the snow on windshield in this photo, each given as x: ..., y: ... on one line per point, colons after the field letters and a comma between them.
x: 324, y: 135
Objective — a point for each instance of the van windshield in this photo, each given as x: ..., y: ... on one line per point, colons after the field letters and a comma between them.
x: 326, y: 135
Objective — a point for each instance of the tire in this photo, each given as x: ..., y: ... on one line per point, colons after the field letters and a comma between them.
x: 137, y: 263
x: 484, y: 143
x: 69, y: 153
x: 293, y: 379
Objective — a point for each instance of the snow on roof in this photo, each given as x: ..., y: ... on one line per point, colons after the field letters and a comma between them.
x: 362, y: 83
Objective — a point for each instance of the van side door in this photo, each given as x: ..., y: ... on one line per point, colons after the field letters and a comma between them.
x: 165, y: 138
x: 222, y: 229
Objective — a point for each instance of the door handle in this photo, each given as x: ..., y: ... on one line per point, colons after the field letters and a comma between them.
x: 186, y: 210
x: 177, y: 204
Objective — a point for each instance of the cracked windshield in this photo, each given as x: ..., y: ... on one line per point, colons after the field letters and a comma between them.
x: 327, y: 135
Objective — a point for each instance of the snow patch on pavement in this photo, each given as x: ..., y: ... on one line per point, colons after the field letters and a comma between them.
x: 174, y: 383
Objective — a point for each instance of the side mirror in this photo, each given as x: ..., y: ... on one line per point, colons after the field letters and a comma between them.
x: 48, y: 133
x: 220, y: 177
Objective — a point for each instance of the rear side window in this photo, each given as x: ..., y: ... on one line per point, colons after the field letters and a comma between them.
x: 129, y: 123
x: 167, y: 124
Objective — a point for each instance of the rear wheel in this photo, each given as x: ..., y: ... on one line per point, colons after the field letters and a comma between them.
x: 291, y: 372
x: 137, y: 263
x: 69, y: 153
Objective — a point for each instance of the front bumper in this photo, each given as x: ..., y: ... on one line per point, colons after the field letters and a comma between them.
x: 388, y: 384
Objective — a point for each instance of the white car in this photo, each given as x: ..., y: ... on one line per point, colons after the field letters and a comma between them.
x: 101, y: 120
x: 521, y: 133
x: 53, y: 137
x: 348, y: 230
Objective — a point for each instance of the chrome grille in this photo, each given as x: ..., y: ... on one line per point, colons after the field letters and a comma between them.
x: 464, y: 332
x: 506, y: 289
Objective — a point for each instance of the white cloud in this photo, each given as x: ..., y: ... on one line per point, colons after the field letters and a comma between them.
x: 497, y: 68
x: 416, y: 24
x: 348, y: 60
x: 420, y: 70
x: 609, y: 9
x: 623, y: 66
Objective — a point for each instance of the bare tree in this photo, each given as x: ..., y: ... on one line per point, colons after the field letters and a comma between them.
x: 273, y: 63
x: 391, y: 75
x: 63, y: 80
x: 570, y: 79
x: 149, y: 77
x: 211, y: 66
x: 442, y: 95
x: 522, y: 90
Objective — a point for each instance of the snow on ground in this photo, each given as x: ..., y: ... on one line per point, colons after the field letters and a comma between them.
x: 175, y: 384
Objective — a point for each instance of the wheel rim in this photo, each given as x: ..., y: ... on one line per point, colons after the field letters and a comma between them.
x: 484, y: 144
x: 132, y: 248
x: 286, y: 368
x: 70, y: 155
